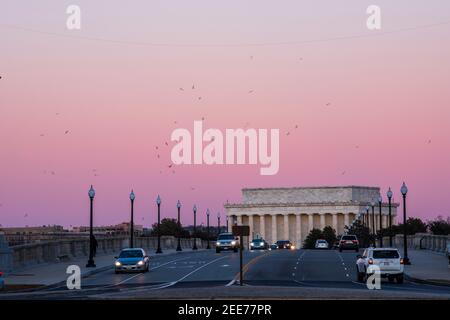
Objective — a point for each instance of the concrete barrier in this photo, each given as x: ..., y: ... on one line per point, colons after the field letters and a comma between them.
x: 59, y: 250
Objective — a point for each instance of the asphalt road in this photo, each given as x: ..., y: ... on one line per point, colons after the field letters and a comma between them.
x: 267, y: 274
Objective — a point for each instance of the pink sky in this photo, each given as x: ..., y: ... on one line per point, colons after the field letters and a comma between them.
x: 389, y: 97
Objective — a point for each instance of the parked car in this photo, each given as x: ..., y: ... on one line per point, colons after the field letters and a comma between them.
x: 387, y: 259
x: 349, y: 242
x: 227, y: 241
x: 259, y: 244
x: 2, y: 281
x: 132, y: 259
x: 321, y: 244
x: 285, y: 244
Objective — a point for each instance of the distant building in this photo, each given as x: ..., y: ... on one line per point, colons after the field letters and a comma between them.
x: 118, y: 229
x: 23, y: 235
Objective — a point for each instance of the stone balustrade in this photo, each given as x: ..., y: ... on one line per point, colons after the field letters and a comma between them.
x: 419, y: 241
x: 59, y: 250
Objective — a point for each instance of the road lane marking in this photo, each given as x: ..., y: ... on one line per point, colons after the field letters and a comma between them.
x: 248, y: 264
x: 229, y: 284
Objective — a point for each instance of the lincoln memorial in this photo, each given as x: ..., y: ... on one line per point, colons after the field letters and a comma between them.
x: 290, y: 213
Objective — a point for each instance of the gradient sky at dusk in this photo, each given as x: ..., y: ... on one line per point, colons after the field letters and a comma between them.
x: 115, y: 83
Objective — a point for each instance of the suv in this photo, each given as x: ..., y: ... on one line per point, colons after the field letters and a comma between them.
x: 349, y: 242
x: 227, y: 241
x: 387, y: 259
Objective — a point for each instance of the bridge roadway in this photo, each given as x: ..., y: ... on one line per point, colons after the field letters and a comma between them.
x: 267, y: 274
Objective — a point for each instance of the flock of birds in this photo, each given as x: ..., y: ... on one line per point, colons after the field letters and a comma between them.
x: 169, y: 167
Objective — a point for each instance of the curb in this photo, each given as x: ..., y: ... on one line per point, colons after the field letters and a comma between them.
x: 424, y: 281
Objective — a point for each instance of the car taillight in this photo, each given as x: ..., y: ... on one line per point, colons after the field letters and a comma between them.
x: 1, y: 274
x: 401, y: 261
x: 370, y: 261
x: 342, y: 241
x: 355, y: 241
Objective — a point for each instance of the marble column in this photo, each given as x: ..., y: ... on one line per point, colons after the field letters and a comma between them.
x: 286, y: 226
x: 335, y: 222
x: 250, y: 224
x: 262, y: 226
x: 239, y: 220
x: 322, y: 221
x: 274, y: 227
x: 310, y: 222
x: 298, y: 230
x: 346, y: 219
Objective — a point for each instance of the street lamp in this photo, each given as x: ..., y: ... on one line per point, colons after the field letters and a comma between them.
x: 207, y: 224
x: 367, y: 218
x: 90, y: 263
x: 404, y: 191
x: 218, y: 222
x: 380, y: 202
x: 132, y: 196
x: 195, y: 221
x: 227, y: 224
x: 158, y: 202
x: 179, y: 226
x: 373, y: 223
x: 389, y: 195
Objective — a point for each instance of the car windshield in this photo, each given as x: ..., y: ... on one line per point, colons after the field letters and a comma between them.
x: 385, y: 254
x: 131, y: 254
x: 257, y: 240
x: 226, y: 237
x: 321, y: 241
x: 349, y: 238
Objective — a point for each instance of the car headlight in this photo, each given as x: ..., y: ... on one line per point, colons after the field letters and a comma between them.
x: 140, y: 263
x: 233, y: 243
x: 118, y: 264
x: 252, y: 243
x: 217, y: 243
x: 292, y: 247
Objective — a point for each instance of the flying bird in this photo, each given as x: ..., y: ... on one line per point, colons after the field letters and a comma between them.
x: 328, y: 103
x: 181, y: 89
x: 250, y: 91
x: 193, y: 87
x: 66, y: 132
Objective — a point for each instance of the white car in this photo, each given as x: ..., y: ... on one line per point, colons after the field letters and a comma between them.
x: 388, y: 260
x: 321, y: 244
x: 132, y: 259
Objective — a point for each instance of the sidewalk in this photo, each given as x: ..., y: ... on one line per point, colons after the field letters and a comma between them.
x: 41, y: 275
x: 428, y: 267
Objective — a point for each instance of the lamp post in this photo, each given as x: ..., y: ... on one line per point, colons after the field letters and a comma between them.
x: 90, y: 263
x: 380, y: 202
x: 207, y: 227
x: 179, y: 226
x: 158, y: 202
x: 404, y: 191
x: 218, y: 222
x: 373, y: 223
x: 132, y: 196
x: 195, y: 222
x: 227, y: 224
x: 389, y: 195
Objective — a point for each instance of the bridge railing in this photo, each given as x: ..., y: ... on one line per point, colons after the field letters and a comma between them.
x: 59, y: 250
x: 421, y: 241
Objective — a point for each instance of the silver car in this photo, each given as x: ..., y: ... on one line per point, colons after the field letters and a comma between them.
x: 132, y: 259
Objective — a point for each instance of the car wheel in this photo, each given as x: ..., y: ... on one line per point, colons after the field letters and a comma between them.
x: 400, y: 279
x: 340, y: 249
x: 217, y: 250
x: 357, y: 250
x: 235, y: 250
x: 116, y: 272
x: 391, y: 279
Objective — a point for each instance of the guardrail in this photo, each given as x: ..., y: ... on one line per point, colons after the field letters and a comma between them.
x: 58, y: 250
x: 421, y: 241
